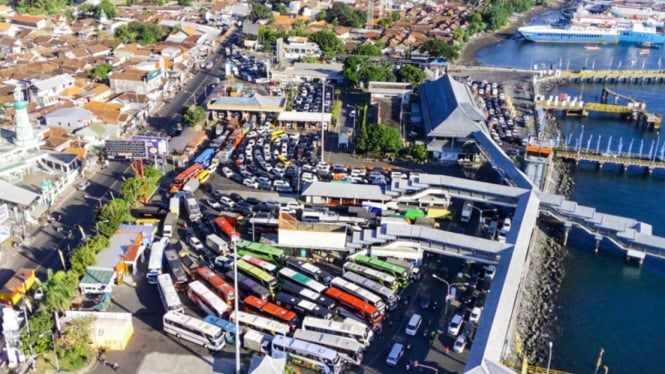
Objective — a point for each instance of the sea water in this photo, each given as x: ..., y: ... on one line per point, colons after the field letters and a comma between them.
x: 604, y: 302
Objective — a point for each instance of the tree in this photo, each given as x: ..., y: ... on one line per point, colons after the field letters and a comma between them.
x: 100, y: 72
x: 58, y: 292
x: 418, y: 152
x: 322, y: 15
x: 395, y: 16
x: 40, y: 322
x: 281, y: 8
x: 383, y: 138
x: 346, y: 16
x: 193, y: 114
x: 361, y: 139
x: 138, y: 32
x: 328, y: 42
x: 260, y: 11
x: 111, y: 215
x: 439, y: 48
x: 185, y: 2
x: 73, y: 346
x: 108, y: 8
x: 368, y: 50
x: 132, y: 190
x: 362, y: 69
x: 411, y: 74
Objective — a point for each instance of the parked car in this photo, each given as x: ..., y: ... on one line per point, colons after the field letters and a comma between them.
x: 196, y: 243
x: 475, y: 314
x: 460, y: 344
x: 455, y: 324
x: 425, y: 301
x: 83, y: 185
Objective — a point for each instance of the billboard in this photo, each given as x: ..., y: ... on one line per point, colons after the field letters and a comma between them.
x: 155, y: 145
x: 126, y: 149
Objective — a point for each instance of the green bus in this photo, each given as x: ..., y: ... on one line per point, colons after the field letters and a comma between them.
x: 395, y: 270
x: 262, y: 251
x: 259, y: 275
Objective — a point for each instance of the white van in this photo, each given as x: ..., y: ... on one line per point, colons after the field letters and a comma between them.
x: 396, y: 353
x: 455, y: 325
x: 414, y: 324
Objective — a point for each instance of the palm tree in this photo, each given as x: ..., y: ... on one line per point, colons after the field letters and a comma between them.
x: 59, y: 293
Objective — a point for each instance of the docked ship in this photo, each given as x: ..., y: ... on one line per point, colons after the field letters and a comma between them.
x: 611, y: 33
x: 638, y: 9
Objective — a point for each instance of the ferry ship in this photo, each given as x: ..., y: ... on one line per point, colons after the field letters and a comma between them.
x: 632, y: 32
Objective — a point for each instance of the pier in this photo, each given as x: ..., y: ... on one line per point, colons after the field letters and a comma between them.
x: 600, y: 159
x: 608, y: 76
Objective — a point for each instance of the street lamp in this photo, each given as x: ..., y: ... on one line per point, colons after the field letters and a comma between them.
x: 235, y: 302
x: 549, y: 357
x: 323, y: 112
x: 445, y: 310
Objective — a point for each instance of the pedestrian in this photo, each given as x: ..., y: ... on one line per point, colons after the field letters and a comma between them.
x: 115, y: 366
x: 408, y: 367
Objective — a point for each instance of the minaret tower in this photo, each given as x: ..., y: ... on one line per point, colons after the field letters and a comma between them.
x: 24, y: 135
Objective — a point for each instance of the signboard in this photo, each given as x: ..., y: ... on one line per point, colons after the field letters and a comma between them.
x: 154, y: 145
x: 126, y: 149
x: 4, y: 213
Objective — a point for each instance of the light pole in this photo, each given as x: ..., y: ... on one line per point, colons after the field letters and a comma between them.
x: 235, y: 306
x: 323, y: 111
x: 445, y: 308
x: 549, y: 357
x: 655, y: 151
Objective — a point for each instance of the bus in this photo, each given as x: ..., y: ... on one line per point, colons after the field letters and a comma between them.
x: 361, y: 333
x: 175, y: 268
x: 303, y: 292
x: 386, y: 280
x: 216, y: 283
x: 276, y: 134
x: 396, y: 271
x: 303, y: 280
x: 205, y: 157
x: 156, y: 260
x: 207, y: 300
x: 195, y: 330
x: 185, y: 176
x: 263, y: 324
x: 262, y: 251
x: 259, y: 275
x: 147, y: 221
x: 309, y: 270
x: 385, y: 293
x: 361, y: 293
x: 264, y: 265
x: 253, y: 304
x: 301, y: 306
x: 226, y: 228
x: 356, y: 306
x: 168, y: 294
x: 248, y: 286
x: 228, y: 327
x: 308, y: 355
x: 350, y: 350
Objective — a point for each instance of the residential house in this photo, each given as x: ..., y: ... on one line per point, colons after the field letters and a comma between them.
x: 342, y: 33
x: 295, y: 48
x: 10, y: 45
x: 132, y: 51
x: 70, y: 119
x: 98, y: 50
x: 29, y: 22
x: 7, y: 29
x: 46, y: 92
x: 6, y: 11
x: 141, y: 82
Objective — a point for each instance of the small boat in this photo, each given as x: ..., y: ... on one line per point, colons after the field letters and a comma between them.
x: 591, y: 47
x: 644, y: 52
x: 648, y: 45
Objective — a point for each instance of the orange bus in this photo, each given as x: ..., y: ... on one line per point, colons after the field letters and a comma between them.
x: 12, y: 291
x: 217, y: 284
x: 185, y: 176
x: 226, y: 227
x: 356, y: 306
x: 257, y: 306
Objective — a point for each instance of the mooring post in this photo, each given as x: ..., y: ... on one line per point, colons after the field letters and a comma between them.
x: 597, y: 244
x: 566, y: 233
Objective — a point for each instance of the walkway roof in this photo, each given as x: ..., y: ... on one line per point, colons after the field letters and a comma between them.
x: 254, y: 103
x: 345, y: 191
x: 314, y: 117
x: 16, y: 195
x: 501, y: 162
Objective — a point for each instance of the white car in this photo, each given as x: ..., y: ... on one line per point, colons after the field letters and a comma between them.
x: 250, y: 182
x: 308, y: 177
x: 281, y: 186
x: 227, y: 201
x: 455, y: 325
x: 214, y: 203
x: 475, y: 314
x: 196, y: 243
x: 83, y: 186
x: 490, y: 272
x: 460, y: 344
x: 227, y: 171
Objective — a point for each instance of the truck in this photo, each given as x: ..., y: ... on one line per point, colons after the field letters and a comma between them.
x: 169, y: 226
x: 174, y: 205
x: 193, y: 208
x: 256, y: 341
x: 467, y: 210
x: 192, y: 185
x: 217, y: 244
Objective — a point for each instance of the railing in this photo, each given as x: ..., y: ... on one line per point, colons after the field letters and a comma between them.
x: 533, y: 368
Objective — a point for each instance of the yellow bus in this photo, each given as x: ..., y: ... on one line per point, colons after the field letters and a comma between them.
x: 276, y: 134
x: 147, y: 221
x: 203, y: 176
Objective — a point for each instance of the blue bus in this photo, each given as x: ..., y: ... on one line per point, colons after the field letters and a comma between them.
x: 205, y: 157
x: 229, y: 328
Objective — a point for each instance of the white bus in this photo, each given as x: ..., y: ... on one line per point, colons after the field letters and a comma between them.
x: 386, y: 293
x: 357, y: 291
x: 156, y: 260
x: 360, y: 332
x: 379, y: 276
x: 309, y: 270
x: 168, y: 294
x: 308, y: 355
x: 207, y: 300
x: 263, y: 324
x: 195, y: 330
x: 350, y: 350
x: 301, y: 279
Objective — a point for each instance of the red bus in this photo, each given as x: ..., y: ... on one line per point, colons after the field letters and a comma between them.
x: 227, y: 228
x: 217, y: 284
x: 236, y: 137
x: 355, y: 305
x: 185, y: 176
x: 257, y: 306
